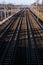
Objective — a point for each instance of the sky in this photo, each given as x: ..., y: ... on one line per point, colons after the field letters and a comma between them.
x: 19, y: 2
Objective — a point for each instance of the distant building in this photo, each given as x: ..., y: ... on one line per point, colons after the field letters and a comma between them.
x: 37, y: 6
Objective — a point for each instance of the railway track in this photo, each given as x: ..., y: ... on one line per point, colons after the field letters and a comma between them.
x: 37, y: 36
x: 37, y: 19
x: 5, y: 26
x: 23, y: 42
x: 7, y: 37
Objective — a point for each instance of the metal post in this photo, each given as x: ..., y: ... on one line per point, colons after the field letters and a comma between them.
x: 4, y: 8
x: 1, y: 15
x: 37, y: 8
x: 5, y: 12
x: 42, y: 2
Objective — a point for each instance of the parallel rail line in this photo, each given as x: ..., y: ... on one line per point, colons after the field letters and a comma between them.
x: 23, y: 41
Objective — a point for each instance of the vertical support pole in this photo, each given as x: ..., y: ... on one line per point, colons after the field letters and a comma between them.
x: 5, y: 12
x: 1, y: 15
x: 37, y: 8
x: 42, y: 2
